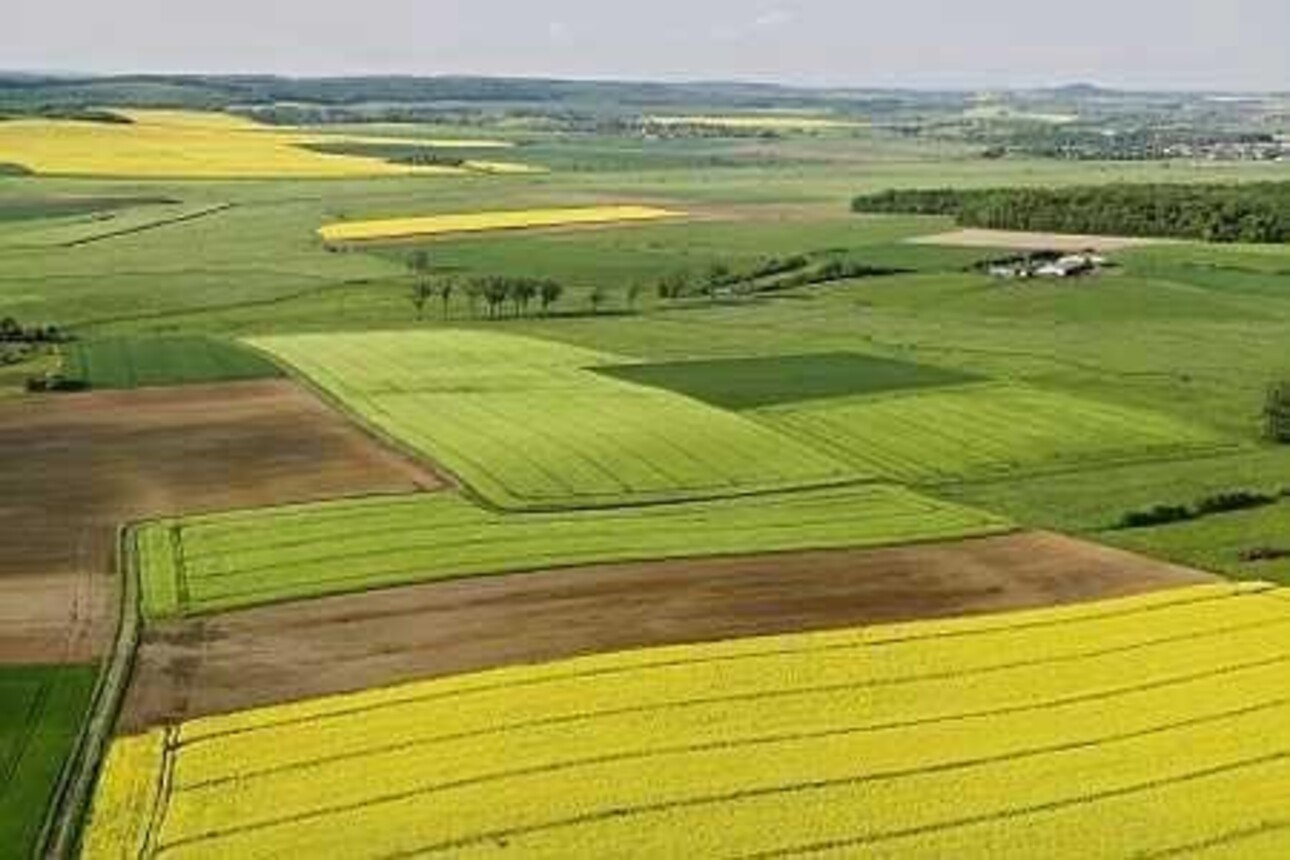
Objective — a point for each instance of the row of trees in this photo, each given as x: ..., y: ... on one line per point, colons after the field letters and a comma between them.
x: 12, y: 331
x: 497, y: 296
x: 1255, y: 212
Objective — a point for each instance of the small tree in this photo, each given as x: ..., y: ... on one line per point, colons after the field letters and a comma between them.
x: 548, y: 294
x: 474, y: 291
x: 418, y: 263
x: 496, y: 291
x: 446, y: 288
x: 633, y: 294
x: 596, y: 298
x: 525, y: 290
x: 422, y: 290
x: 1276, y: 413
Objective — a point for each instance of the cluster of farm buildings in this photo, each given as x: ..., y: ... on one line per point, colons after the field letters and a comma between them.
x: 1048, y: 264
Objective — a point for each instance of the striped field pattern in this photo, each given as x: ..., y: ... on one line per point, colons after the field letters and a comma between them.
x: 981, y: 431
x: 221, y: 561
x: 1151, y: 726
x: 525, y: 425
x: 478, y: 222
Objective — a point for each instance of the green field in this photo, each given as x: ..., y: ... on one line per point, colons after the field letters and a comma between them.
x: 748, y: 383
x: 139, y: 362
x: 526, y: 425
x: 1153, y: 726
x: 978, y: 431
x: 40, y: 714
x: 221, y: 561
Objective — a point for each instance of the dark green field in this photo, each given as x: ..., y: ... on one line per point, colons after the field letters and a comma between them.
x: 29, y: 208
x: 139, y: 362
x: 40, y: 713
x: 752, y: 382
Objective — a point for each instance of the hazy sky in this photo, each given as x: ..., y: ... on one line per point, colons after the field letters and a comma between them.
x: 1229, y: 44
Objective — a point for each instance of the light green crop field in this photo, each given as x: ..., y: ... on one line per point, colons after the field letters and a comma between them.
x: 221, y: 561
x: 1149, y: 726
x: 934, y: 436
x: 526, y: 425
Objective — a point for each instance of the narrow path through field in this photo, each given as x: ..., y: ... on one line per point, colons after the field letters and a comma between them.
x: 298, y: 650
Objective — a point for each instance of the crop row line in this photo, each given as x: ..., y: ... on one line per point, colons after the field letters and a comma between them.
x: 1023, y: 811
x: 36, y: 707
x: 892, y: 774
x: 760, y: 695
x: 1051, y: 704
x: 618, y: 813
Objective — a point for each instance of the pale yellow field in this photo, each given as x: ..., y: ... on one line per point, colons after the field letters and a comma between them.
x: 474, y: 222
x: 770, y: 122
x: 184, y: 144
x: 1126, y: 728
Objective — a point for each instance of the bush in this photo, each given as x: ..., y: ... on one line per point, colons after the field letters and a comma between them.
x: 1156, y: 516
x: 1265, y: 553
x: 1239, y: 500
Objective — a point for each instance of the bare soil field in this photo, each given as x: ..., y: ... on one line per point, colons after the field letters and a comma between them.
x: 1019, y: 241
x: 78, y: 466
x: 292, y: 651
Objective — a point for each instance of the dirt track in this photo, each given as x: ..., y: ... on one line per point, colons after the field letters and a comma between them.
x: 78, y: 466
x: 292, y: 651
x: 1022, y: 241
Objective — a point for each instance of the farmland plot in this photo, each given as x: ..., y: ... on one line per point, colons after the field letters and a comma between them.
x: 148, y: 361
x: 527, y: 426
x: 477, y: 222
x: 981, y: 431
x: 220, y: 561
x: 40, y: 712
x: 1112, y: 729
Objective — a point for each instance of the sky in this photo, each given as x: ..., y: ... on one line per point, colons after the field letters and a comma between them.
x: 969, y: 44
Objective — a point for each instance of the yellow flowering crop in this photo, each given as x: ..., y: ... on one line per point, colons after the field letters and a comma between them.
x: 199, y: 145
x: 473, y: 222
x: 1119, y: 728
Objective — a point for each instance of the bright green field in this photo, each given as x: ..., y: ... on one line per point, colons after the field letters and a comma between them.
x: 40, y: 713
x: 950, y: 434
x: 1154, y: 726
x: 526, y: 425
x: 211, y: 563
x: 138, y: 362
x: 748, y: 383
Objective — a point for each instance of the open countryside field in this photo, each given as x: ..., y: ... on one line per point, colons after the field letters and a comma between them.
x: 826, y: 425
x: 217, y: 562
x: 41, y: 708
x: 183, y: 144
x: 525, y: 423
x: 144, y: 362
x: 480, y: 222
x: 1126, y: 727
x: 981, y: 431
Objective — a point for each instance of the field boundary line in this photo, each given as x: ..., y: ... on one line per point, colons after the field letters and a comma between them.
x: 783, y: 737
x: 60, y: 834
x: 676, y: 704
x: 34, y: 711
x: 824, y: 784
x: 154, y: 225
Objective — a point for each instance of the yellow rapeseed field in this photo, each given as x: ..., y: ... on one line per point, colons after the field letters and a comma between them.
x: 473, y: 222
x: 1133, y: 727
x: 188, y: 144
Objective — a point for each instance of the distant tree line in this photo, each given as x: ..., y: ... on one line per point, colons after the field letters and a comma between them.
x: 768, y: 275
x: 1255, y: 212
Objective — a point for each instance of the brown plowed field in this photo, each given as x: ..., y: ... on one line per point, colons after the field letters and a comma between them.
x: 292, y: 651
x: 78, y: 466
